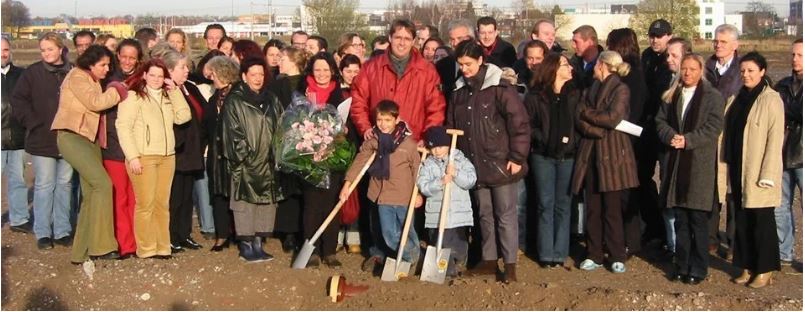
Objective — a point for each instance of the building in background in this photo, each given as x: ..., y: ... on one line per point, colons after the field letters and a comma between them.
x: 712, y: 14
x: 794, y: 25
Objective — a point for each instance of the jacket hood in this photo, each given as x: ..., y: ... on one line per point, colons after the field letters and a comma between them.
x: 491, y: 78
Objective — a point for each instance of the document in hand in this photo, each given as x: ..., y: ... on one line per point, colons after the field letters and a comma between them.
x: 343, y: 109
x: 629, y: 128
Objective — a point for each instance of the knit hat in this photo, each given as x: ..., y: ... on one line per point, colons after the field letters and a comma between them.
x: 437, y: 136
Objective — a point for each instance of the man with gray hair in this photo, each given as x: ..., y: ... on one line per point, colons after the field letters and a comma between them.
x: 723, y: 72
x: 457, y: 31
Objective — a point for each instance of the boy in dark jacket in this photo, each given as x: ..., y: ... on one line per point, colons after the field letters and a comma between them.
x: 393, y: 174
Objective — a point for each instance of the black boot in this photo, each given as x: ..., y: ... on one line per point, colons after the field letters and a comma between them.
x: 289, y: 243
x: 257, y: 248
x: 247, y: 251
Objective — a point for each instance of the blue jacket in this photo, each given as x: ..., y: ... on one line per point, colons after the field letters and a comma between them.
x: 430, y: 185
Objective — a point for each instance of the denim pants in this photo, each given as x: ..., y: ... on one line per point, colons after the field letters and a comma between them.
x: 553, y: 190
x: 53, y: 179
x: 392, y: 220
x: 13, y: 168
x: 784, y: 214
x: 201, y: 197
x: 669, y: 218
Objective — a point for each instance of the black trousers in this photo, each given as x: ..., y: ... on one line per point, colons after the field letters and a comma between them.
x: 757, y: 247
x: 181, y: 205
x: 631, y: 220
x: 289, y: 215
x: 691, y: 227
x: 221, y: 216
x: 715, y: 222
x: 645, y: 198
x: 318, y: 203
x: 604, y: 221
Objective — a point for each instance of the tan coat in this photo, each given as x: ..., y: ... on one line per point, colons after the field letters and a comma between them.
x: 81, y: 102
x: 762, y: 152
x: 145, y: 124
x: 403, y: 169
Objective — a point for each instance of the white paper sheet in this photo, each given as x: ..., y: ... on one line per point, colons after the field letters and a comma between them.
x: 629, y: 128
x: 343, y: 109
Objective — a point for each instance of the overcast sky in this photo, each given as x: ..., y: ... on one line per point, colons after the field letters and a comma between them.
x: 224, y: 7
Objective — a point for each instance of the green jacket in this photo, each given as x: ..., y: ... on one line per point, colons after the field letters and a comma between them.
x: 250, y: 121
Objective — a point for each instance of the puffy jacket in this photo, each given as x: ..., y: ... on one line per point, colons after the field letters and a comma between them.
x: 145, y: 124
x: 417, y: 93
x: 82, y: 101
x: 495, y: 124
x: 250, y: 121
x: 430, y: 185
x: 790, y: 90
x: 34, y: 103
x: 13, y: 131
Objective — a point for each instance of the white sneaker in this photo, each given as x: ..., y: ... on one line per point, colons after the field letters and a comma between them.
x: 589, y: 265
x: 618, y: 267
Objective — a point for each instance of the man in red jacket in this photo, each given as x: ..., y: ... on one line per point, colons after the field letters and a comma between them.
x: 403, y: 76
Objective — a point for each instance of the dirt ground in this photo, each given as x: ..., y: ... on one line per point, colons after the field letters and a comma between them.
x: 202, y: 280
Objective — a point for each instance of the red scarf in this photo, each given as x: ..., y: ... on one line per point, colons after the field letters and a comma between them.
x: 193, y: 101
x: 488, y: 50
x: 321, y: 93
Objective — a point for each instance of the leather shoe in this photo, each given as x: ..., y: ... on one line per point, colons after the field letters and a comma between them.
x: 761, y: 280
x: 26, y: 227
x: 678, y: 277
x: 744, y: 278
x: 176, y: 248
x: 692, y: 280
x: 217, y: 248
x: 332, y: 262
x: 66, y: 241
x: 44, y: 243
x: 109, y: 256
x: 189, y: 243
x: 289, y: 243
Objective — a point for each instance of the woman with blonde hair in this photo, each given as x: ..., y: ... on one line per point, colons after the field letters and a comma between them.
x: 177, y: 39
x: 107, y: 40
x: 605, y: 164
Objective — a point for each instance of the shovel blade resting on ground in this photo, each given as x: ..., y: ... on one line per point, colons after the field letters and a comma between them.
x: 434, y: 267
x: 304, y: 255
x: 392, y: 271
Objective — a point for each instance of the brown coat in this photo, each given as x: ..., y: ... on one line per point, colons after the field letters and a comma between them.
x: 762, y: 155
x: 403, y: 169
x: 606, y: 104
x: 81, y: 102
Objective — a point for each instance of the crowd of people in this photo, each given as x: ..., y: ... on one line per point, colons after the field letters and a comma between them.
x: 143, y: 130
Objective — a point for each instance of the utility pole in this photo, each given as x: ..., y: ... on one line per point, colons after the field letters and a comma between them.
x: 270, y: 22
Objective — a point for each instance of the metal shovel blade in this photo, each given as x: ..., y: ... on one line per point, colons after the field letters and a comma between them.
x: 304, y: 255
x: 434, y: 269
x: 393, y: 272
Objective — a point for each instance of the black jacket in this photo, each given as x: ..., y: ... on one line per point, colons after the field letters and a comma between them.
x: 539, y: 108
x: 448, y: 73
x: 13, y: 132
x: 34, y: 102
x: 730, y: 83
x: 637, y: 90
x: 113, y: 151
x: 524, y: 74
x: 504, y: 54
x: 285, y: 86
x: 189, y: 136
x: 658, y: 79
x: 217, y: 171
x: 583, y: 78
x: 790, y: 90
x: 250, y: 122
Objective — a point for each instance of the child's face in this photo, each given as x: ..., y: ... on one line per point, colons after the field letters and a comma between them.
x: 440, y: 151
x: 386, y: 122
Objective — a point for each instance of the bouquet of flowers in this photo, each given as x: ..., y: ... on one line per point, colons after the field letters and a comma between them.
x: 311, y: 142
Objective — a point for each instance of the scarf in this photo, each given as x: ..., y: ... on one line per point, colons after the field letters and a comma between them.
x: 60, y: 70
x: 488, y: 50
x: 193, y: 102
x: 684, y: 158
x: 387, y: 143
x: 399, y: 64
x: 318, y: 94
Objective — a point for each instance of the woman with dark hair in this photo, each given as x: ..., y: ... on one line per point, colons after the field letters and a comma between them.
x: 243, y: 49
x: 272, y: 51
x: 81, y: 133
x: 350, y: 66
x: 624, y: 41
x: 289, y: 212
x: 250, y: 122
x: 145, y: 126
x: 441, y: 52
x: 129, y: 55
x: 605, y: 163
x: 552, y: 104
x: 321, y: 86
x: 496, y: 139
x: 226, y: 44
x: 34, y: 102
x: 189, y: 155
x: 429, y: 48
x: 751, y: 148
x: 224, y: 73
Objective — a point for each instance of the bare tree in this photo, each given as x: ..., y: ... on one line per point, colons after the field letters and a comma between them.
x: 15, y: 16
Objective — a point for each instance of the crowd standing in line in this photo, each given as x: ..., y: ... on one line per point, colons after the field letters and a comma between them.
x: 148, y: 131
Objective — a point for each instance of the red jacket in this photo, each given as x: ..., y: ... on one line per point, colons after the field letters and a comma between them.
x: 417, y: 93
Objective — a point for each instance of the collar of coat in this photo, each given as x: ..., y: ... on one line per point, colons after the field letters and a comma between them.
x: 415, y: 62
x: 492, y: 77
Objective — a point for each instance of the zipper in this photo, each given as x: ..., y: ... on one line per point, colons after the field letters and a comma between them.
x: 164, y: 129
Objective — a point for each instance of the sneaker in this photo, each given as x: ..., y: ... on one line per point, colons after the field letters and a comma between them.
x: 618, y: 267
x: 44, y: 243
x: 26, y: 227
x: 370, y: 263
x: 589, y: 265
x: 66, y: 241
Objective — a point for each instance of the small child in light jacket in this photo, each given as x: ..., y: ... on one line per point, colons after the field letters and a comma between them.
x: 433, y: 176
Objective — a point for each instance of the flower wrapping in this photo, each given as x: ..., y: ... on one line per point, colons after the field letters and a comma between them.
x: 311, y: 142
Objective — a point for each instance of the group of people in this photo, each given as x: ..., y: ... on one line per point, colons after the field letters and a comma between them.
x: 152, y: 131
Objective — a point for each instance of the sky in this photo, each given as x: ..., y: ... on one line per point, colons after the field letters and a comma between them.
x: 49, y: 8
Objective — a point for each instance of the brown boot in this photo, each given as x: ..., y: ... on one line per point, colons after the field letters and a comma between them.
x: 486, y: 267
x: 761, y: 280
x: 510, y: 276
x: 744, y: 278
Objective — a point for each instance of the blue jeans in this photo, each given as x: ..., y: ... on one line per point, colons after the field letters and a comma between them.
x: 392, y: 220
x: 52, y: 196
x: 669, y: 217
x: 553, y: 190
x: 784, y: 214
x: 13, y: 161
x: 201, y: 196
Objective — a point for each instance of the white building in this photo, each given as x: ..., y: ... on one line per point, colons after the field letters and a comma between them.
x: 712, y: 14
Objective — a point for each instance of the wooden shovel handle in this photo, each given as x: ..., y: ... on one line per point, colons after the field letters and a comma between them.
x: 410, y: 213
x: 341, y: 202
x: 446, y: 194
